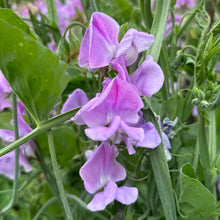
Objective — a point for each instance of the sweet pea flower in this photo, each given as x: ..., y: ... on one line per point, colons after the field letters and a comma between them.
x: 4, y: 92
x: 169, y: 26
x: 7, y: 161
x: 114, y: 113
x: 102, y: 171
x: 100, y: 43
x: 188, y: 3
x: 111, y: 112
x: 76, y: 99
x: 66, y: 12
x: 148, y: 78
x: 7, y: 164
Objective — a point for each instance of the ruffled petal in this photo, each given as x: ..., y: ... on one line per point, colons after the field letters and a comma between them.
x: 127, y: 195
x: 103, y: 133
x: 7, y: 135
x: 148, y: 78
x: 151, y: 137
x: 102, y: 199
x: 76, y: 99
x: 136, y: 134
x: 133, y: 43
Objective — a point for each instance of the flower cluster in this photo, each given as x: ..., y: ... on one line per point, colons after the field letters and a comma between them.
x: 7, y: 136
x: 114, y: 115
x: 66, y: 12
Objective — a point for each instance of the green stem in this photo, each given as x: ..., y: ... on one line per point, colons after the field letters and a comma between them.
x: 44, y: 126
x: 64, y: 35
x: 16, y: 160
x: 41, y: 210
x: 212, y: 136
x: 145, y: 7
x: 49, y: 178
x: 203, y: 150
x: 52, y: 12
x: 158, y: 27
x: 161, y: 173
x: 58, y: 176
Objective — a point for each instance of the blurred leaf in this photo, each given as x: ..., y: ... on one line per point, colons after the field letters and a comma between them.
x: 65, y: 142
x: 122, y: 31
x: 35, y: 74
x: 194, y: 198
x: 11, y: 18
x: 172, y: 107
x: 5, y: 119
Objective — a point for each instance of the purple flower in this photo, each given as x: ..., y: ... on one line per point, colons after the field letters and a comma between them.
x: 7, y: 164
x: 169, y: 26
x: 148, y: 78
x: 188, y: 3
x: 4, y: 92
x: 116, y: 112
x: 116, y: 107
x: 100, y: 43
x: 102, y: 171
x: 76, y: 99
x: 66, y: 12
x: 7, y: 161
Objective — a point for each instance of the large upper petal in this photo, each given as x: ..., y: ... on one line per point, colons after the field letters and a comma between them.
x: 100, y: 40
x: 148, y: 78
x: 119, y: 98
x: 102, y: 167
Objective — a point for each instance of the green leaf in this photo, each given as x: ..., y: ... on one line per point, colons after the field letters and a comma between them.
x: 122, y: 31
x: 11, y: 18
x: 35, y: 73
x: 5, y: 119
x: 172, y: 107
x: 194, y: 198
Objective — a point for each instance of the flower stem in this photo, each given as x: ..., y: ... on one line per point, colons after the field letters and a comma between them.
x: 16, y: 159
x: 44, y: 126
x: 161, y: 172
x: 58, y: 176
x: 52, y: 12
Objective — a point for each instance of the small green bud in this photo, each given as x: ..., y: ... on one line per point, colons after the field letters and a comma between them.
x: 195, y: 101
x: 204, y: 104
x: 196, y: 91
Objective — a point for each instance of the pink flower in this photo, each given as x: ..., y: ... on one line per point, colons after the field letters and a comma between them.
x: 102, y: 171
x: 100, y: 43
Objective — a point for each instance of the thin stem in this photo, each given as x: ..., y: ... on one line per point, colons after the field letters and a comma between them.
x: 158, y: 27
x: 58, y: 176
x: 16, y: 159
x: 64, y: 35
x: 161, y: 172
x: 49, y: 202
x: 145, y: 7
x: 44, y: 126
x: 52, y: 12
x: 212, y: 135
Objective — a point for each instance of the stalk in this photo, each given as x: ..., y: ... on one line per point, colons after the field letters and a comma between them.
x: 16, y: 160
x: 44, y: 126
x: 58, y: 176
